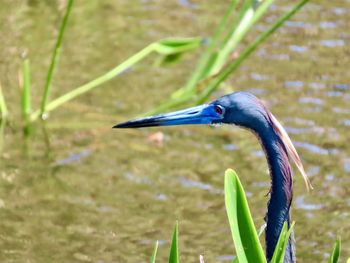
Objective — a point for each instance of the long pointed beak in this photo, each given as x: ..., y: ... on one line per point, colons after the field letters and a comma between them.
x: 203, y: 114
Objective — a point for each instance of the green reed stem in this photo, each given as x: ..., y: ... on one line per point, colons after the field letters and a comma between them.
x: 250, y: 15
x: 174, y: 256
x: 223, y: 75
x: 3, y: 108
x: 154, y: 254
x: 211, y: 68
x: 204, y: 62
x: 96, y: 82
x: 54, y: 58
x: 163, y: 47
x: 26, y: 101
x: 2, y: 133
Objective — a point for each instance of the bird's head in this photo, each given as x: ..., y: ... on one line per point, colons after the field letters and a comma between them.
x: 239, y: 108
x: 243, y: 109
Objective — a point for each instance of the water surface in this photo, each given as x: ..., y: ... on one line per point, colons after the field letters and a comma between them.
x: 78, y: 191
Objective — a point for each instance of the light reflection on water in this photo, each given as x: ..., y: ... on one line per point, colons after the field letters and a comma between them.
x: 300, y: 203
x: 332, y: 42
x: 315, y: 149
x: 299, y: 49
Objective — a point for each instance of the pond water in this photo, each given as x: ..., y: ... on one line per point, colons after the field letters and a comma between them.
x: 78, y: 191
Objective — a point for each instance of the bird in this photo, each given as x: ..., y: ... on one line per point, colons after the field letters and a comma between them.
x: 245, y: 110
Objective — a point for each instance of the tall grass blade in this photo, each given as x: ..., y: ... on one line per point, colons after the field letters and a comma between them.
x: 154, y: 254
x: 163, y: 47
x: 210, y: 60
x: 3, y: 108
x: 243, y: 15
x: 2, y: 133
x: 96, y: 82
x: 54, y: 58
x: 26, y: 100
x: 174, y: 247
x: 223, y: 74
x: 261, y: 230
x: 244, y: 235
x: 252, y: 11
x: 207, y: 58
x: 336, y: 252
x: 278, y: 255
x: 171, y: 46
x: 173, y: 49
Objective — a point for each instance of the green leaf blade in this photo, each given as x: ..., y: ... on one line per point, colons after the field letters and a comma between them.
x: 246, y: 240
x: 171, y: 46
x: 154, y: 254
x: 278, y: 255
x: 55, y: 56
x: 174, y: 250
x: 336, y: 252
x: 3, y: 107
x: 230, y: 68
x: 26, y: 100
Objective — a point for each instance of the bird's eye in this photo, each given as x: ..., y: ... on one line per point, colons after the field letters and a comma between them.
x: 219, y: 110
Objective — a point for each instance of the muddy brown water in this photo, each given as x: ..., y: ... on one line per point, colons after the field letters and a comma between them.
x: 78, y: 191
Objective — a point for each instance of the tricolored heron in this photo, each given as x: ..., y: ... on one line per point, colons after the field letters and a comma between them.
x: 247, y: 111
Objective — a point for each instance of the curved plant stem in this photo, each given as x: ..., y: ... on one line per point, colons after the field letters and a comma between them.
x: 3, y: 108
x: 204, y: 63
x: 154, y: 254
x: 210, y: 65
x: 248, y: 19
x: 247, y: 52
x: 26, y: 103
x: 54, y: 59
x: 96, y: 82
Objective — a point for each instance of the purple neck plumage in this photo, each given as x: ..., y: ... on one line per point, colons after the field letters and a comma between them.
x: 281, y: 192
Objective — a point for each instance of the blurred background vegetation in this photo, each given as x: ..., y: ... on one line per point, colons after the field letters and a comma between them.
x: 76, y: 190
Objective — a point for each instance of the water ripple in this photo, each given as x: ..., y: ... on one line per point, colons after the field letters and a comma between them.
x: 229, y: 147
x: 293, y: 84
x: 311, y: 100
x: 187, y: 4
x: 342, y: 87
x: 334, y: 94
x: 314, y: 170
x: 225, y: 258
x: 332, y: 42
x: 298, y: 49
x: 297, y: 24
x: 328, y: 24
x: 295, y: 130
x: 300, y: 121
x: 301, y: 204
x: 341, y: 110
x: 315, y: 149
x: 345, y: 122
x: 259, y: 77
x: 195, y: 184
x: 256, y: 91
x: 74, y: 157
x: 317, y: 85
x: 346, y: 165
x: 339, y: 11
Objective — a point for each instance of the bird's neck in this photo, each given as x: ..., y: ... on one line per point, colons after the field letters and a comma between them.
x: 281, y: 192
